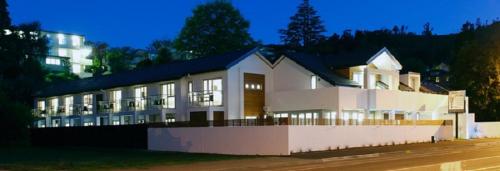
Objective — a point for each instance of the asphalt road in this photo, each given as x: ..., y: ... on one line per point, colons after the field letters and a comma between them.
x: 450, y: 156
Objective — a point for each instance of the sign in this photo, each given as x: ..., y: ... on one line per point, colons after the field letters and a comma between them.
x: 456, y: 101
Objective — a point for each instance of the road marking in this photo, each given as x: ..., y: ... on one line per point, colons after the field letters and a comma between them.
x: 454, y: 163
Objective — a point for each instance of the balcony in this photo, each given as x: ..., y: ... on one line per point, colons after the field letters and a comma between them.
x: 205, y: 99
x: 136, y: 104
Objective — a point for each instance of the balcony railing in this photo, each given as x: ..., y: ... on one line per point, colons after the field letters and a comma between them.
x: 136, y: 104
x: 205, y: 98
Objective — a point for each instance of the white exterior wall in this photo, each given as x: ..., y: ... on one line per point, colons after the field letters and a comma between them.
x: 408, y: 101
x: 284, y: 140
x: 254, y: 64
x: 291, y: 76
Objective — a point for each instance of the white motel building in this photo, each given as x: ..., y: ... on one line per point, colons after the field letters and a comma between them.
x: 244, y: 85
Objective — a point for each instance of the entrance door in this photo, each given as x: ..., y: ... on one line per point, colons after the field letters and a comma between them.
x: 198, y: 118
x: 254, y: 95
x: 218, y: 118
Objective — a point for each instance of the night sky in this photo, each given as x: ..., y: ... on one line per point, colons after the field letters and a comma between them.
x: 137, y: 22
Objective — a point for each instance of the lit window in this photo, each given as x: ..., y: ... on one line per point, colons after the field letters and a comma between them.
x: 41, y: 105
x: 87, y: 104
x: 140, y: 98
x: 358, y: 77
x: 253, y: 86
x: 259, y: 87
x: 247, y: 86
x: 61, y: 39
x: 54, y: 105
x: 62, y: 52
x: 116, y: 97
x: 68, y: 104
x: 168, y: 93
x: 75, y: 40
x: 53, y: 61
x: 213, y: 88
x: 437, y: 79
x: 314, y: 80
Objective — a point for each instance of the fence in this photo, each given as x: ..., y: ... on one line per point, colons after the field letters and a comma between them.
x: 286, y: 121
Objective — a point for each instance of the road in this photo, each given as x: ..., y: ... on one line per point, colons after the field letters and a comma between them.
x: 477, y: 155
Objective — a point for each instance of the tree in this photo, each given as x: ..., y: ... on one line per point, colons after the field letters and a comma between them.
x: 215, y: 28
x: 476, y: 68
x: 98, y: 56
x: 163, y: 51
x: 305, y: 27
x: 20, y: 75
x: 427, y: 29
x: 5, y: 22
x: 119, y: 59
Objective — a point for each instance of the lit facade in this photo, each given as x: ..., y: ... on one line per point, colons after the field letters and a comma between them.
x: 67, y: 51
x: 244, y: 85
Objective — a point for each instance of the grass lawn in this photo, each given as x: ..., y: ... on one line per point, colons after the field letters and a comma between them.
x: 65, y: 158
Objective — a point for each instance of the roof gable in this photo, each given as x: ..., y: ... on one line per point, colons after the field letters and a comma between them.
x: 383, y: 59
x: 313, y: 64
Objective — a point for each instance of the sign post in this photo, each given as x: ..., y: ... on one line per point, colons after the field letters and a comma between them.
x: 456, y: 104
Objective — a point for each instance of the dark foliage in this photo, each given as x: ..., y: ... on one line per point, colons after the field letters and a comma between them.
x: 305, y: 28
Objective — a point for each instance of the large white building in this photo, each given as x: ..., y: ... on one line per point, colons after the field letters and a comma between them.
x: 67, y: 51
x: 295, y: 89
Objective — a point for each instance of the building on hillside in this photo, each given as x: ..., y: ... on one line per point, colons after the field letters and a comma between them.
x: 295, y: 89
x: 67, y: 52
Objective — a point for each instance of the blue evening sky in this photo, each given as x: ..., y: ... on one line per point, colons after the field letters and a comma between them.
x: 137, y: 22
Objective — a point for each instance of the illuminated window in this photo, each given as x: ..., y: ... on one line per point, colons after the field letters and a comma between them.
x: 437, y: 79
x: 314, y: 80
x: 41, y: 105
x: 87, y: 104
x: 52, y: 61
x: 62, y: 52
x: 247, y: 86
x: 258, y: 87
x: 140, y: 97
x: 358, y: 77
x: 61, y: 39
x: 116, y: 98
x: 68, y: 105
x: 213, y: 89
x: 54, y: 105
x: 75, y: 40
x: 168, y: 95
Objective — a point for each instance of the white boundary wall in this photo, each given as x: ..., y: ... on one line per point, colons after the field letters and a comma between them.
x: 486, y: 130
x: 284, y: 140
x: 317, y: 138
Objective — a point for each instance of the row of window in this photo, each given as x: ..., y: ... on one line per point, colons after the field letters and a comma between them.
x: 211, y: 96
x: 75, y: 40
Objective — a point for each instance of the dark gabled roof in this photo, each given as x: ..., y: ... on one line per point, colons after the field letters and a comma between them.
x: 428, y: 87
x: 156, y: 73
x: 404, y: 87
x: 314, y: 64
x: 350, y: 59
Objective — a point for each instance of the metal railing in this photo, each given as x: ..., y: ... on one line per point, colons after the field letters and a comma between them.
x: 285, y: 121
x: 205, y: 98
x: 136, y: 104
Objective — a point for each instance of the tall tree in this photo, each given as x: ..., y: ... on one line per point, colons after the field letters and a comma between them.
x: 215, y: 27
x: 476, y: 68
x: 4, y: 15
x: 305, y: 28
x: 20, y: 75
x: 98, y: 56
x: 163, y: 51
x: 427, y: 29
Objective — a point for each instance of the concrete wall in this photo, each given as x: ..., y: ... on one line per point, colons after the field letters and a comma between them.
x: 283, y: 140
x: 485, y: 129
x: 261, y: 140
x: 317, y: 138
